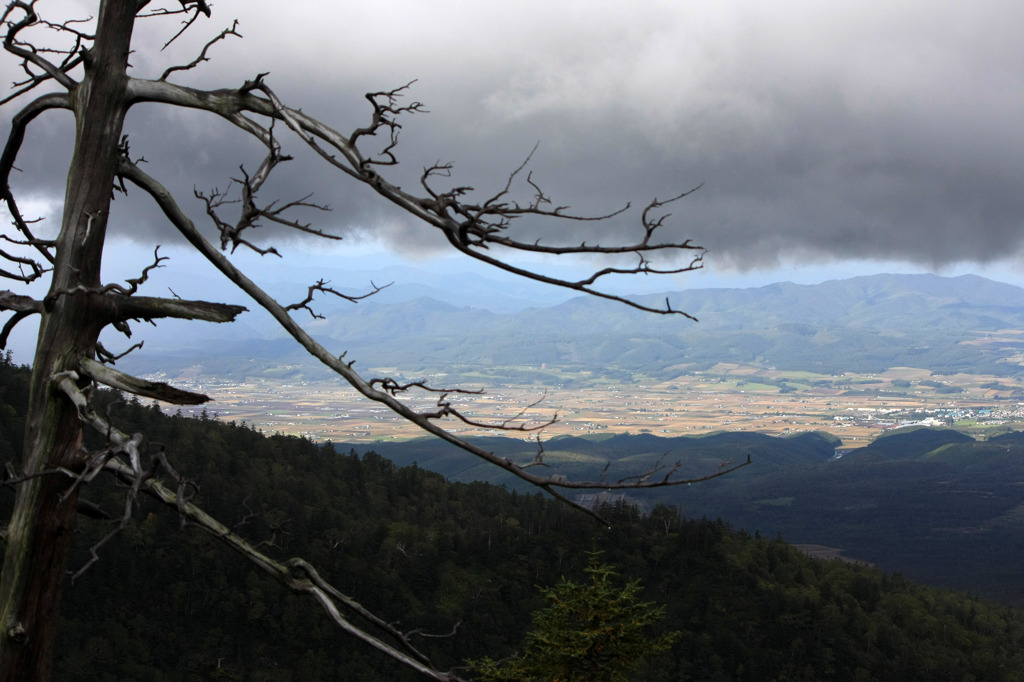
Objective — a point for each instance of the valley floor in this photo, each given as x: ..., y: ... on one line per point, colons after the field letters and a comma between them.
x: 857, y: 408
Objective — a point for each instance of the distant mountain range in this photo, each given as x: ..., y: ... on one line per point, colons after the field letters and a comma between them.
x: 863, y: 324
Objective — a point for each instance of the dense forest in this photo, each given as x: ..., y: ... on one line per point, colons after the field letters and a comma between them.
x: 934, y: 504
x: 165, y: 603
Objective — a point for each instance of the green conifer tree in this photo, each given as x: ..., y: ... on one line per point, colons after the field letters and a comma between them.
x: 596, y: 631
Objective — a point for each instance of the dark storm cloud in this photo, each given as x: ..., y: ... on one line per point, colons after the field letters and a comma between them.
x: 870, y: 131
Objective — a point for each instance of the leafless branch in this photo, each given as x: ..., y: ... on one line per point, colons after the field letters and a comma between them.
x: 119, y: 307
x: 109, y: 376
x: 509, y: 424
x: 152, y: 308
x: 19, y: 125
x: 135, y: 282
x: 538, y: 457
x: 35, y: 270
x: 43, y: 246
x: 471, y: 228
x: 200, y: 6
x: 296, y: 574
x: 11, y: 478
x: 321, y: 286
x: 19, y: 303
x: 32, y: 56
x: 118, y: 444
x: 94, y: 550
x: 9, y: 326
x: 419, y: 632
x: 158, y: 11
x: 109, y: 358
x: 386, y: 111
x: 249, y: 213
x: 392, y: 387
x: 202, y: 55
x: 426, y: 421
x: 22, y: 306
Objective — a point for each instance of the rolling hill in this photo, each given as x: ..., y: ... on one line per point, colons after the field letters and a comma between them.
x: 934, y: 504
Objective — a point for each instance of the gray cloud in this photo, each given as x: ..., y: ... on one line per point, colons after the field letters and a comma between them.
x: 869, y: 130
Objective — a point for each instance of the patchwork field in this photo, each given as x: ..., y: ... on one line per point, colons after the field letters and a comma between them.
x: 857, y: 408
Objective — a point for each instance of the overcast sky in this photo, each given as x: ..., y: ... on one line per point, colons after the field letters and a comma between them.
x: 886, y: 134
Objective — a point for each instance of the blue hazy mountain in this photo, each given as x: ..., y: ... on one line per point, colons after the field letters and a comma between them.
x: 863, y: 324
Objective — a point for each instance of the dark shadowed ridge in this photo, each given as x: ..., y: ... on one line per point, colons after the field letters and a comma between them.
x: 913, y: 443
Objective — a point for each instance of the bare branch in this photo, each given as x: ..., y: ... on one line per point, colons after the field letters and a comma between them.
x: 202, y: 55
x: 419, y: 632
x: 446, y: 410
x: 426, y: 421
x: 538, y: 457
x: 31, y: 56
x: 321, y: 286
x: 149, y: 308
x: 135, y: 282
x: 43, y: 246
x: 394, y: 388
x: 296, y: 574
x: 185, y: 26
x: 9, y: 326
x: 141, y: 387
x: 200, y: 5
x: 471, y: 228
x: 475, y: 227
x: 118, y: 443
x: 23, y: 306
x: 107, y: 357
x: 386, y: 111
x: 35, y: 270
x: 19, y: 124
x: 19, y: 303
x: 250, y: 214
x: 119, y: 307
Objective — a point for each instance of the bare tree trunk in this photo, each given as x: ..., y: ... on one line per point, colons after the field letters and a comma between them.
x: 78, y: 306
x: 39, y: 534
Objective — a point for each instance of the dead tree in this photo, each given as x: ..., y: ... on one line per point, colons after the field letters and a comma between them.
x: 85, y: 70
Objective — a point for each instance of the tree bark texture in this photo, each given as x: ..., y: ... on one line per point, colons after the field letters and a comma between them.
x: 40, y: 530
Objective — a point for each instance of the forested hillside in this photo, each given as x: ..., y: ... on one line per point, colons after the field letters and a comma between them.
x: 165, y: 603
x: 934, y: 504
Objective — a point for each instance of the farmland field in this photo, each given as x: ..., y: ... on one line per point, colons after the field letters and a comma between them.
x: 855, y: 407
